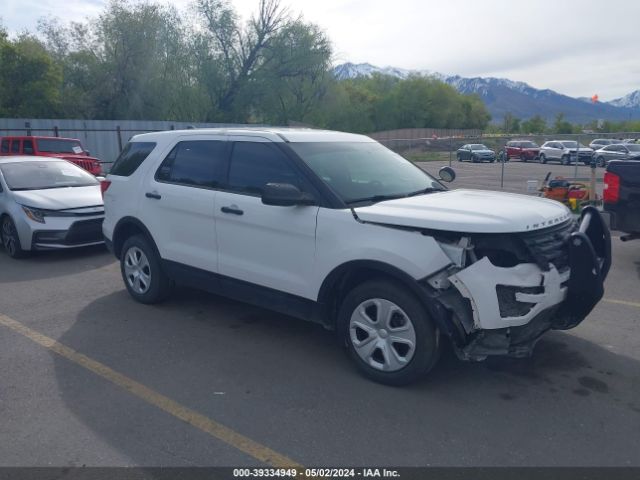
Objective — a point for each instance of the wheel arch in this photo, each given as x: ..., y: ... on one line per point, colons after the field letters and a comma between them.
x: 125, y: 228
x: 348, y: 275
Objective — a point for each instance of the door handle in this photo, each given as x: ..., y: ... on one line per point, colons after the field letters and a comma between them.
x: 232, y: 210
x: 154, y: 195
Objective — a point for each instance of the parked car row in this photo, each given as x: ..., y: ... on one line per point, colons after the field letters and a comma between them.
x: 328, y: 227
x: 565, y: 152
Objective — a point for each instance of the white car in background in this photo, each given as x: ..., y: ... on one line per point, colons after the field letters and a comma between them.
x: 48, y: 203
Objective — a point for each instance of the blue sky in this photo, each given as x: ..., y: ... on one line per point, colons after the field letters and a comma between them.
x: 576, y: 47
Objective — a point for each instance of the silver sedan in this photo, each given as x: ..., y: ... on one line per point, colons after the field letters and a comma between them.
x: 47, y: 203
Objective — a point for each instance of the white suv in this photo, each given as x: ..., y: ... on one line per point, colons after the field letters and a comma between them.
x: 335, y: 228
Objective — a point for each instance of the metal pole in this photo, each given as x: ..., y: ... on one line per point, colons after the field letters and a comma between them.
x: 450, y: 151
x: 504, y: 160
x: 575, y: 173
x: 56, y: 132
x: 119, y: 138
x: 27, y: 125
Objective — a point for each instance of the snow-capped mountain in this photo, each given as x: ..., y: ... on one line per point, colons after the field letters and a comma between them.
x: 502, y: 95
x: 631, y: 100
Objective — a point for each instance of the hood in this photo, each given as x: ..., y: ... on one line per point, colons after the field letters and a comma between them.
x: 61, y: 198
x: 468, y: 211
x: 484, y: 152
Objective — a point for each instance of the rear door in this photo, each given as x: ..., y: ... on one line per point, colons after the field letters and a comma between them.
x: 15, y: 146
x: 179, y: 200
x: 267, y: 245
x: 4, y: 146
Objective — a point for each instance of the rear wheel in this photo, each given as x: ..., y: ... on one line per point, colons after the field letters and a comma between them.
x: 142, y: 272
x: 11, y: 239
x: 388, y: 333
x: 459, y: 157
x: 566, y: 160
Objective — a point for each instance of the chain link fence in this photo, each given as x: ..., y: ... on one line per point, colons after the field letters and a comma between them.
x: 432, y: 153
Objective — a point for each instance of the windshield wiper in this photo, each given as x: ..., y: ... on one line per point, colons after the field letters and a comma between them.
x: 374, y: 198
x: 424, y: 190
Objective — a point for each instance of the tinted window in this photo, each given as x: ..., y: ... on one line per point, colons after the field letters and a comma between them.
x: 27, y: 147
x: 5, y: 146
x: 199, y: 163
x: 254, y: 164
x: 131, y: 158
x: 15, y: 146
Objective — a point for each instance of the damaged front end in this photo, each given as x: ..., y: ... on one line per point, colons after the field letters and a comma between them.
x: 503, y: 291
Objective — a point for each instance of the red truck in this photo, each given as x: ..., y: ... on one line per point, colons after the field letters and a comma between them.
x: 66, y: 148
x: 525, y: 150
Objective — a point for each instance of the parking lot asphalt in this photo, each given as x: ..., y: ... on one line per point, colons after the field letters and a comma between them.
x: 90, y: 377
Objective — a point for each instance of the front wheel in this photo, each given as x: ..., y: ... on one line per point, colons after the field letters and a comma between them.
x: 142, y: 272
x: 459, y: 157
x: 11, y: 239
x: 543, y: 159
x: 388, y: 333
x: 600, y: 161
x: 523, y: 158
x: 566, y: 160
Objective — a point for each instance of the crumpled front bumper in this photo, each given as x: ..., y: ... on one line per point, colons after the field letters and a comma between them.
x: 536, y: 301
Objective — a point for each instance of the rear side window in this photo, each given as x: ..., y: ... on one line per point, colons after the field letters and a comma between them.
x: 198, y: 163
x: 131, y: 158
x: 254, y: 164
x: 4, y: 147
x: 27, y: 147
x: 15, y: 146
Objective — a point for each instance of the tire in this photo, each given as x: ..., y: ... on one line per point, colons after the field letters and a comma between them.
x: 142, y: 272
x: 523, y: 158
x: 459, y: 157
x: 566, y: 160
x: 474, y: 159
x: 11, y: 239
x: 600, y: 162
x: 543, y: 158
x: 402, y: 363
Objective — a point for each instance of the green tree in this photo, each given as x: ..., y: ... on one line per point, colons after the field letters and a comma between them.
x: 30, y: 81
x: 535, y: 124
x: 561, y: 125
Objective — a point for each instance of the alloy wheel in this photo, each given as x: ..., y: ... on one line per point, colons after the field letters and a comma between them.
x: 8, y: 237
x: 137, y: 270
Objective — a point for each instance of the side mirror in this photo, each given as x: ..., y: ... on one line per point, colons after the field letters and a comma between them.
x: 100, y: 178
x: 285, y: 195
x: 447, y: 174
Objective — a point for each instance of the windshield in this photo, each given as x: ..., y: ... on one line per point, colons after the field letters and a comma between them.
x: 364, y: 171
x: 478, y: 147
x: 529, y: 145
x: 633, y: 147
x: 57, y: 145
x: 43, y: 175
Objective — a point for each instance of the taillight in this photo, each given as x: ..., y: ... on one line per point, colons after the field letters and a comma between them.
x: 611, y: 192
x: 104, y: 186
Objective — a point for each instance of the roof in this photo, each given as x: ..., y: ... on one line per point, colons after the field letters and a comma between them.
x: 27, y: 158
x: 275, y: 134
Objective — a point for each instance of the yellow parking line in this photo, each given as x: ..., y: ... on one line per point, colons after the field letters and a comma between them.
x: 622, y: 302
x: 213, y: 428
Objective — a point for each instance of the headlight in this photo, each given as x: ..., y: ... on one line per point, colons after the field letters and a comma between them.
x: 34, y: 214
